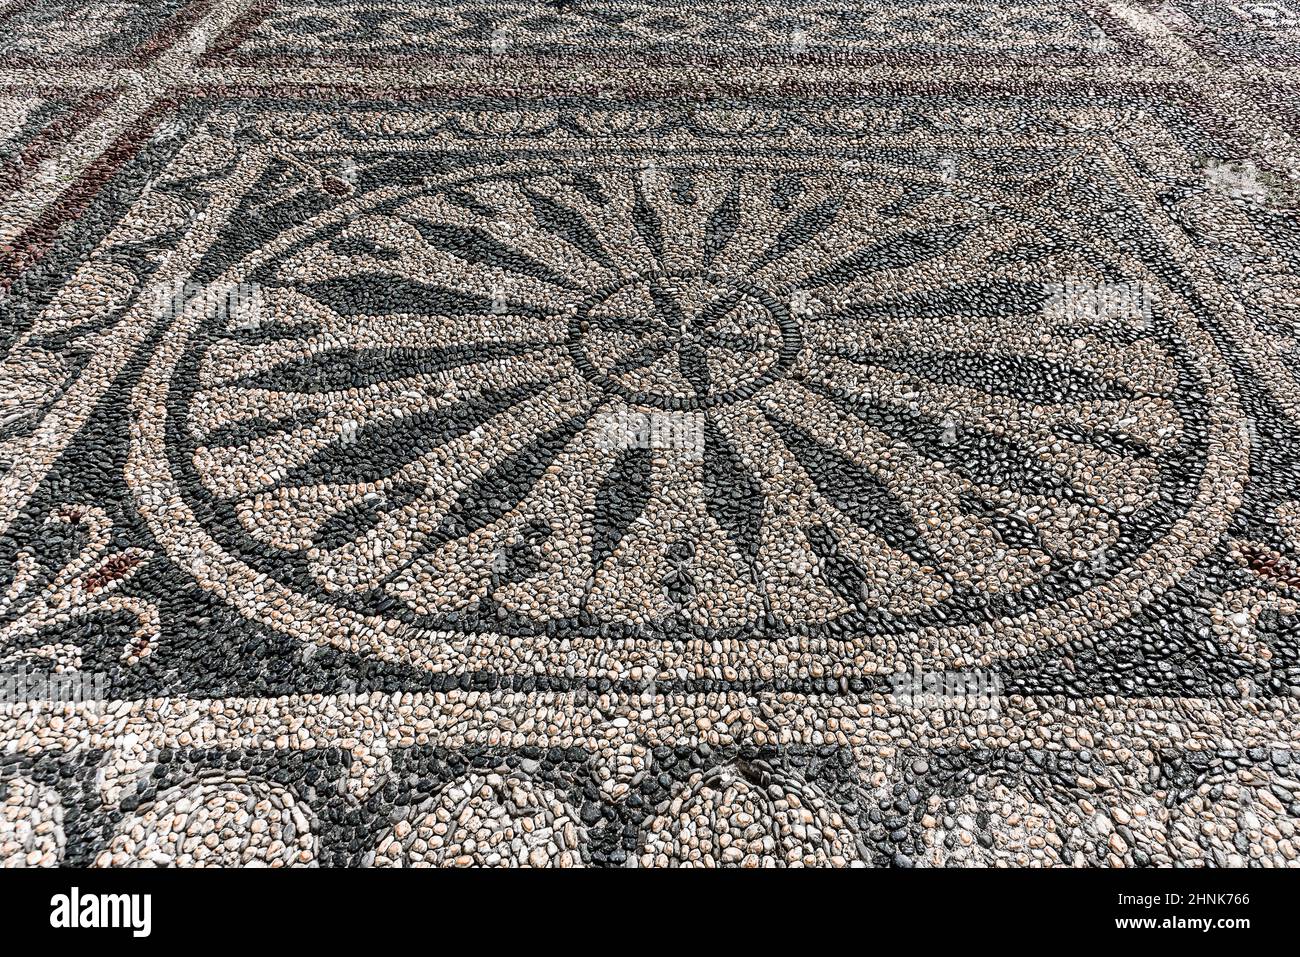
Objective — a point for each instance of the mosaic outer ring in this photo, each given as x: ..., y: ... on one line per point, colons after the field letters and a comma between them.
x: 258, y: 598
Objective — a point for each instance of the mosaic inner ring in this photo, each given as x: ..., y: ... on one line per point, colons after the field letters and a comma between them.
x: 783, y: 349
x: 161, y: 472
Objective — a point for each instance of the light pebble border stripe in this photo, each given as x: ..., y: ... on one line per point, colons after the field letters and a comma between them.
x: 506, y: 720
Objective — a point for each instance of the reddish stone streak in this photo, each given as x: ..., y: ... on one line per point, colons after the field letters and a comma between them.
x: 111, y: 570
x: 165, y: 38
x: 238, y: 32
x: 158, y: 42
x: 1270, y: 565
x: 55, y: 133
x: 336, y: 186
x: 36, y: 241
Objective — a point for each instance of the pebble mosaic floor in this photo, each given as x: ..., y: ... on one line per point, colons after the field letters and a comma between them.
x: 626, y: 434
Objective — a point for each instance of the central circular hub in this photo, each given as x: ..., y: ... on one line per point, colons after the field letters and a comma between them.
x: 683, y: 340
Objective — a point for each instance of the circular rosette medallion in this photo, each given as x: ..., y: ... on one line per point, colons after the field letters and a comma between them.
x: 711, y: 396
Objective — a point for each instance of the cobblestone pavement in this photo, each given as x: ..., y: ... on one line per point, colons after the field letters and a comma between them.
x: 632, y: 434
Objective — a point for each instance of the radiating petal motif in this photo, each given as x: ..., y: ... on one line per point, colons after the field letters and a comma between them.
x: 226, y: 821
x: 487, y: 820
x: 1020, y: 832
x: 739, y: 816
x: 688, y: 395
x: 1226, y: 816
x: 31, y: 824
